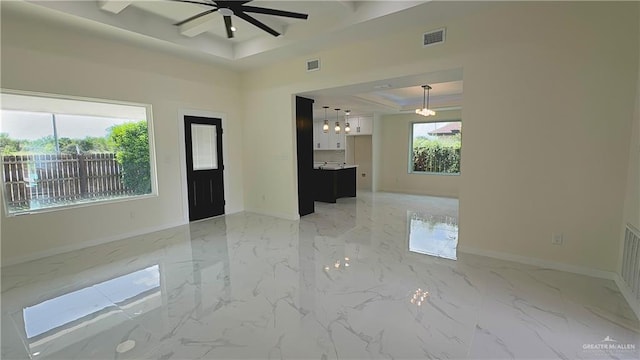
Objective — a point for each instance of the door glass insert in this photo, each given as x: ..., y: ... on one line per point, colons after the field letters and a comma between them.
x: 204, y: 147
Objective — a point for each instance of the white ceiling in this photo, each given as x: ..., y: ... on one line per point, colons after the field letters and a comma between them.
x: 155, y: 20
x: 443, y: 96
x: 331, y: 23
x: 391, y: 96
x: 177, y: 11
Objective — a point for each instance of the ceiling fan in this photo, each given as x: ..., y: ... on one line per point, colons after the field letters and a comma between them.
x: 239, y: 9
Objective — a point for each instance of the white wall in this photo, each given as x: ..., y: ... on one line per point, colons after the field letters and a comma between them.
x: 270, y: 168
x: 559, y: 94
x: 632, y: 201
x: 396, y: 130
x: 376, y: 153
x: 38, y: 55
x: 359, y: 152
x: 632, y: 195
x: 631, y: 214
x: 547, y: 112
x: 330, y: 156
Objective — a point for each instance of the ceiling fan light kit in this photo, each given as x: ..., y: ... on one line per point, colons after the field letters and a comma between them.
x: 239, y: 9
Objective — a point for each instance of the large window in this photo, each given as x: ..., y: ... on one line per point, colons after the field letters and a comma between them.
x: 59, y: 152
x: 435, y: 147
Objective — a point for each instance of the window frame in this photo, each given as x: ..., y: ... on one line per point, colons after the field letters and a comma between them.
x: 153, y: 174
x: 410, y: 162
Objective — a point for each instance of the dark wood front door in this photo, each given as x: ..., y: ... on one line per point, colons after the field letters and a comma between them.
x: 203, y: 143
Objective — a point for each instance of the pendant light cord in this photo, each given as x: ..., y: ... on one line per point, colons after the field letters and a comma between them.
x: 428, y: 90
x: 424, y: 88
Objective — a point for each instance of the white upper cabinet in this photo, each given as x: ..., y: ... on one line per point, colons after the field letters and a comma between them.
x: 320, y: 140
x: 329, y: 140
x: 361, y: 125
x: 337, y: 140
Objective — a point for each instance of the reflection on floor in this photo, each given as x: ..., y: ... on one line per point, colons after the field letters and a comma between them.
x: 435, y: 235
x: 340, y: 283
x: 70, y: 315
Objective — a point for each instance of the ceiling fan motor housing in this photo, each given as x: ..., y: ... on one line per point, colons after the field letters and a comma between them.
x: 239, y: 9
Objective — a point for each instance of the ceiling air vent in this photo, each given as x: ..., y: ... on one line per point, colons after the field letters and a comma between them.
x: 433, y: 37
x: 313, y: 65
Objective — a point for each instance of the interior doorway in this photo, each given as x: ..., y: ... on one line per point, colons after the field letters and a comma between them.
x: 359, y: 153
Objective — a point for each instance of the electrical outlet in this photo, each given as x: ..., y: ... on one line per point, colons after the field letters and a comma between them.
x: 557, y: 239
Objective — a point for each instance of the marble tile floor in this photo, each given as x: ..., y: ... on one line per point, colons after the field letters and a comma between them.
x: 340, y: 283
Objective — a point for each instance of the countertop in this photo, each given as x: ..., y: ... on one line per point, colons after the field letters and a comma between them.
x: 334, y: 167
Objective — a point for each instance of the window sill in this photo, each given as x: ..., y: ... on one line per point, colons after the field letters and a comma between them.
x: 432, y: 173
x: 77, y: 205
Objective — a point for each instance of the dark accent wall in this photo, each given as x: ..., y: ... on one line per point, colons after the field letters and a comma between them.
x: 304, y: 136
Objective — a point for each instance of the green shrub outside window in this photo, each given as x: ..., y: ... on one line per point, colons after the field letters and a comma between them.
x: 435, y: 147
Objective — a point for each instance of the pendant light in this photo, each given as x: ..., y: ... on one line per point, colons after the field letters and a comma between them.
x: 337, y: 128
x: 325, y: 126
x: 347, y: 128
x: 425, y: 111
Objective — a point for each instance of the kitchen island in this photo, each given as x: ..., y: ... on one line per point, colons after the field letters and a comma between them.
x: 334, y: 182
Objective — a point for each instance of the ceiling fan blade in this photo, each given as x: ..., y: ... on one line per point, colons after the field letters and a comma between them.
x: 256, y: 23
x: 196, y: 16
x: 230, y: 4
x: 195, y: 2
x: 227, y: 24
x: 259, y: 10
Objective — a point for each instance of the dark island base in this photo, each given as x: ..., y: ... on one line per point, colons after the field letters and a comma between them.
x: 334, y: 184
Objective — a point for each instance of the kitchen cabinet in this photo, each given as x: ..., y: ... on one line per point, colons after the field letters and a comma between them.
x: 336, y: 141
x: 362, y: 123
x: 320, y: 141
x: 329, y: 140
x: 334, y: 183
x: 304, y: 137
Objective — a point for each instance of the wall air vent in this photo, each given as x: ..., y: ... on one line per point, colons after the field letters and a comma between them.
x: 313, y: 65
x: 433, y: 37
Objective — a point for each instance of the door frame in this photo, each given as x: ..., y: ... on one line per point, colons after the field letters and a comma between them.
x: 182, y: 112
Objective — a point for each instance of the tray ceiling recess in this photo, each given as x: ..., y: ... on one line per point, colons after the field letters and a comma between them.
x: 266, y: 31
x: 239, y: 9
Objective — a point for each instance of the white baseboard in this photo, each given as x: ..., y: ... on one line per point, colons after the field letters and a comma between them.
x: 86, y: 244
x: 628, y: 295
x: 582, y: 270
x: 215, y: 217
x: 274, y: 214
x: 418, y: 192
x: 609, y: 275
